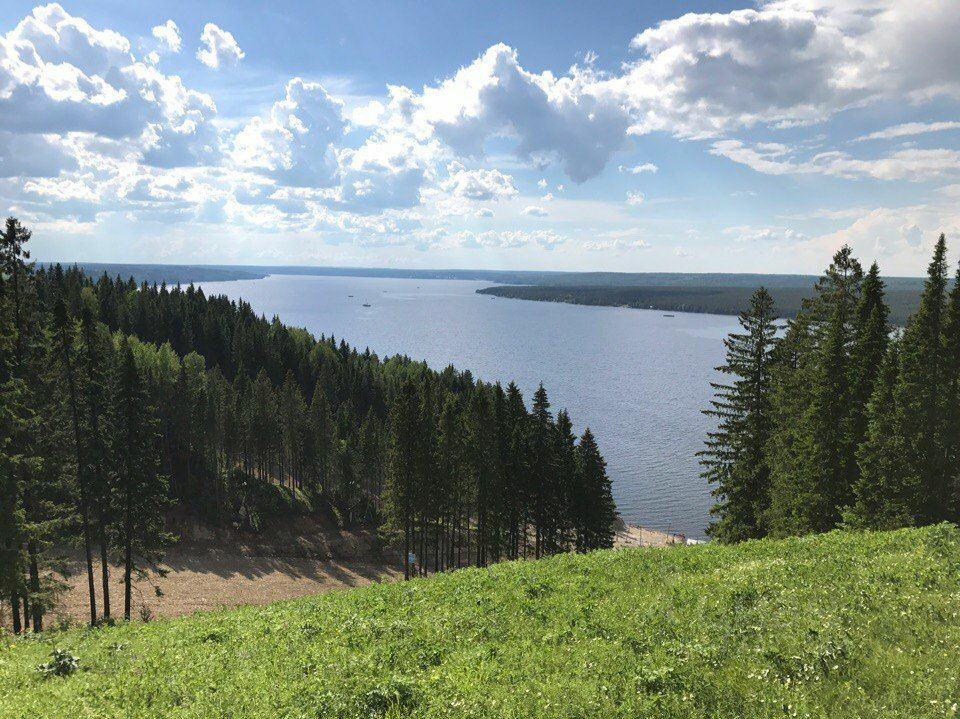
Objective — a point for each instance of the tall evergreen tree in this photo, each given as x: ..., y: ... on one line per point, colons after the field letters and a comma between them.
x: 812, y: 452
x: 735, y: 458
x: 886, y: 495
x: 64, y: 334
x: 141, y: 490
x: 596, y: 506
x: 402, y: 468
x: 871, y: 336
x: 921, y: 391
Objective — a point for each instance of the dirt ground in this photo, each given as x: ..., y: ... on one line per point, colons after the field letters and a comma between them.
x: 209, y: 572
x: 215, y: 578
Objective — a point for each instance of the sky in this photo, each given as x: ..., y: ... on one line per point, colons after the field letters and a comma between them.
x: 624, y: 136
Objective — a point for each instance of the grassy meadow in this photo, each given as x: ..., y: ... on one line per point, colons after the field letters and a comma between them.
x: 836, y: 625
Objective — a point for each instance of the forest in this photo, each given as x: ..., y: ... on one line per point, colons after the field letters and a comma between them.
x: 123, y: 402
x: 836, y: 418
x: 789, y: 294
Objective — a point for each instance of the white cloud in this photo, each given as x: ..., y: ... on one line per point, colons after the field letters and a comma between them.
x: 59, y: 75
x: 534, y: 211
x: 639, y: 169
x: 367, y: 115
x: 168, y: 35
x: 615, y: 245
x: 296, y: 143
x: 483, y: 212
x: 477, y: 184
x: 788, y: 62
x: 913, y: 165
x: 387, y: 171
x: 218, y: 48
x: 635, y: 198
x: 909, y: 129
x: 541, y: 183
x: 746, y: 233
x: 573, y: 119
x: 508, y: 239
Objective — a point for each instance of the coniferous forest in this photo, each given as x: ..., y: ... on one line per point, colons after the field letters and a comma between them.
x: 836, y: 418
x: 122, y: 403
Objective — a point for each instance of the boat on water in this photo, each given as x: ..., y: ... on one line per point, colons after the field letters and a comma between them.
x: 669, y: 315
x: 365, y: 304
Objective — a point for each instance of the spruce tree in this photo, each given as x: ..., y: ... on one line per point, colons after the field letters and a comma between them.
x: 812, y: 453
x: 735, y: 458
x: 886, y: 495
x: 141, y: 489
x: 871, y: 336
x: 952, y: 400
x: 922, y: 388
x: 64, y: 337
x: 595, y: 497
x: 402, y: 478
x: 542, y: 470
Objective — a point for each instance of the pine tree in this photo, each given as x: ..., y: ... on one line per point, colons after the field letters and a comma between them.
x: 563, y: 508
x: 402, y: 468
x: 922, y: 387
x: 812, y: 453
x: 886, y: 495
x: 952, y: 400
x: 141, y: 490
x: 871, y: 337
x: 96, y: 361
x: 64, y: 332
x: 735, y: 459
x: 596, y: 499
x: 542, y: 469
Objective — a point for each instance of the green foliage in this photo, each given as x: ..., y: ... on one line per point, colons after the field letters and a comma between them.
x: 735, y: 456
x: 62, y: 664
x: 840, y: 625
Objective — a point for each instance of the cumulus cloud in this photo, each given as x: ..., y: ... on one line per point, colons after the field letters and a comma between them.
x: 59, y: 75
x: 218, y: 48
x: 635, y: 198
x: 615, y: 245
x: 788, y: 62
x: 572, y: 119
x: 639, y: 169
x: 534, y: 211
x: 483, y: 212
x: 168, y: 35
x: 746, y: 233
x: 387, y: 171
x: 296, y: 143
x: 509, y: 239
x: 477, y: 184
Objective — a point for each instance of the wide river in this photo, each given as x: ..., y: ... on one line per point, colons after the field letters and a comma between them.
x: 637, y: 378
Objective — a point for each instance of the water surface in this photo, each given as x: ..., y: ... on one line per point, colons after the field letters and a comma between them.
x: 637, y: 378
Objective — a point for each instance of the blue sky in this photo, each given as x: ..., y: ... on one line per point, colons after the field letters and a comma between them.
x: 578, y: 136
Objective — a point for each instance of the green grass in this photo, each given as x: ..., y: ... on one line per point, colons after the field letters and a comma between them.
x: 839, y: 625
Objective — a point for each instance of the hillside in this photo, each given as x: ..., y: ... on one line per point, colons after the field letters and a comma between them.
x: 853, y: 625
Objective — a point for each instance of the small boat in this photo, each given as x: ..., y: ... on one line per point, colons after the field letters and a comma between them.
x: 349, y: 295
x: 365, y: 304
x: 669, y: 315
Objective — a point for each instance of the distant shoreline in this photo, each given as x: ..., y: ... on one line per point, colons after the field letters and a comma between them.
x: 715, y: 300
x: 701, y: 293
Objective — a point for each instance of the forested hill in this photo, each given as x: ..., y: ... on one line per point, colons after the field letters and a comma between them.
x: 123, y: 400
x: 169, y: 274
x: 903, y: 295
x: 839, y: 625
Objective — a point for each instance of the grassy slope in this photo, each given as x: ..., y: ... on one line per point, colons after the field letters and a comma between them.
x: 841, y: 625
